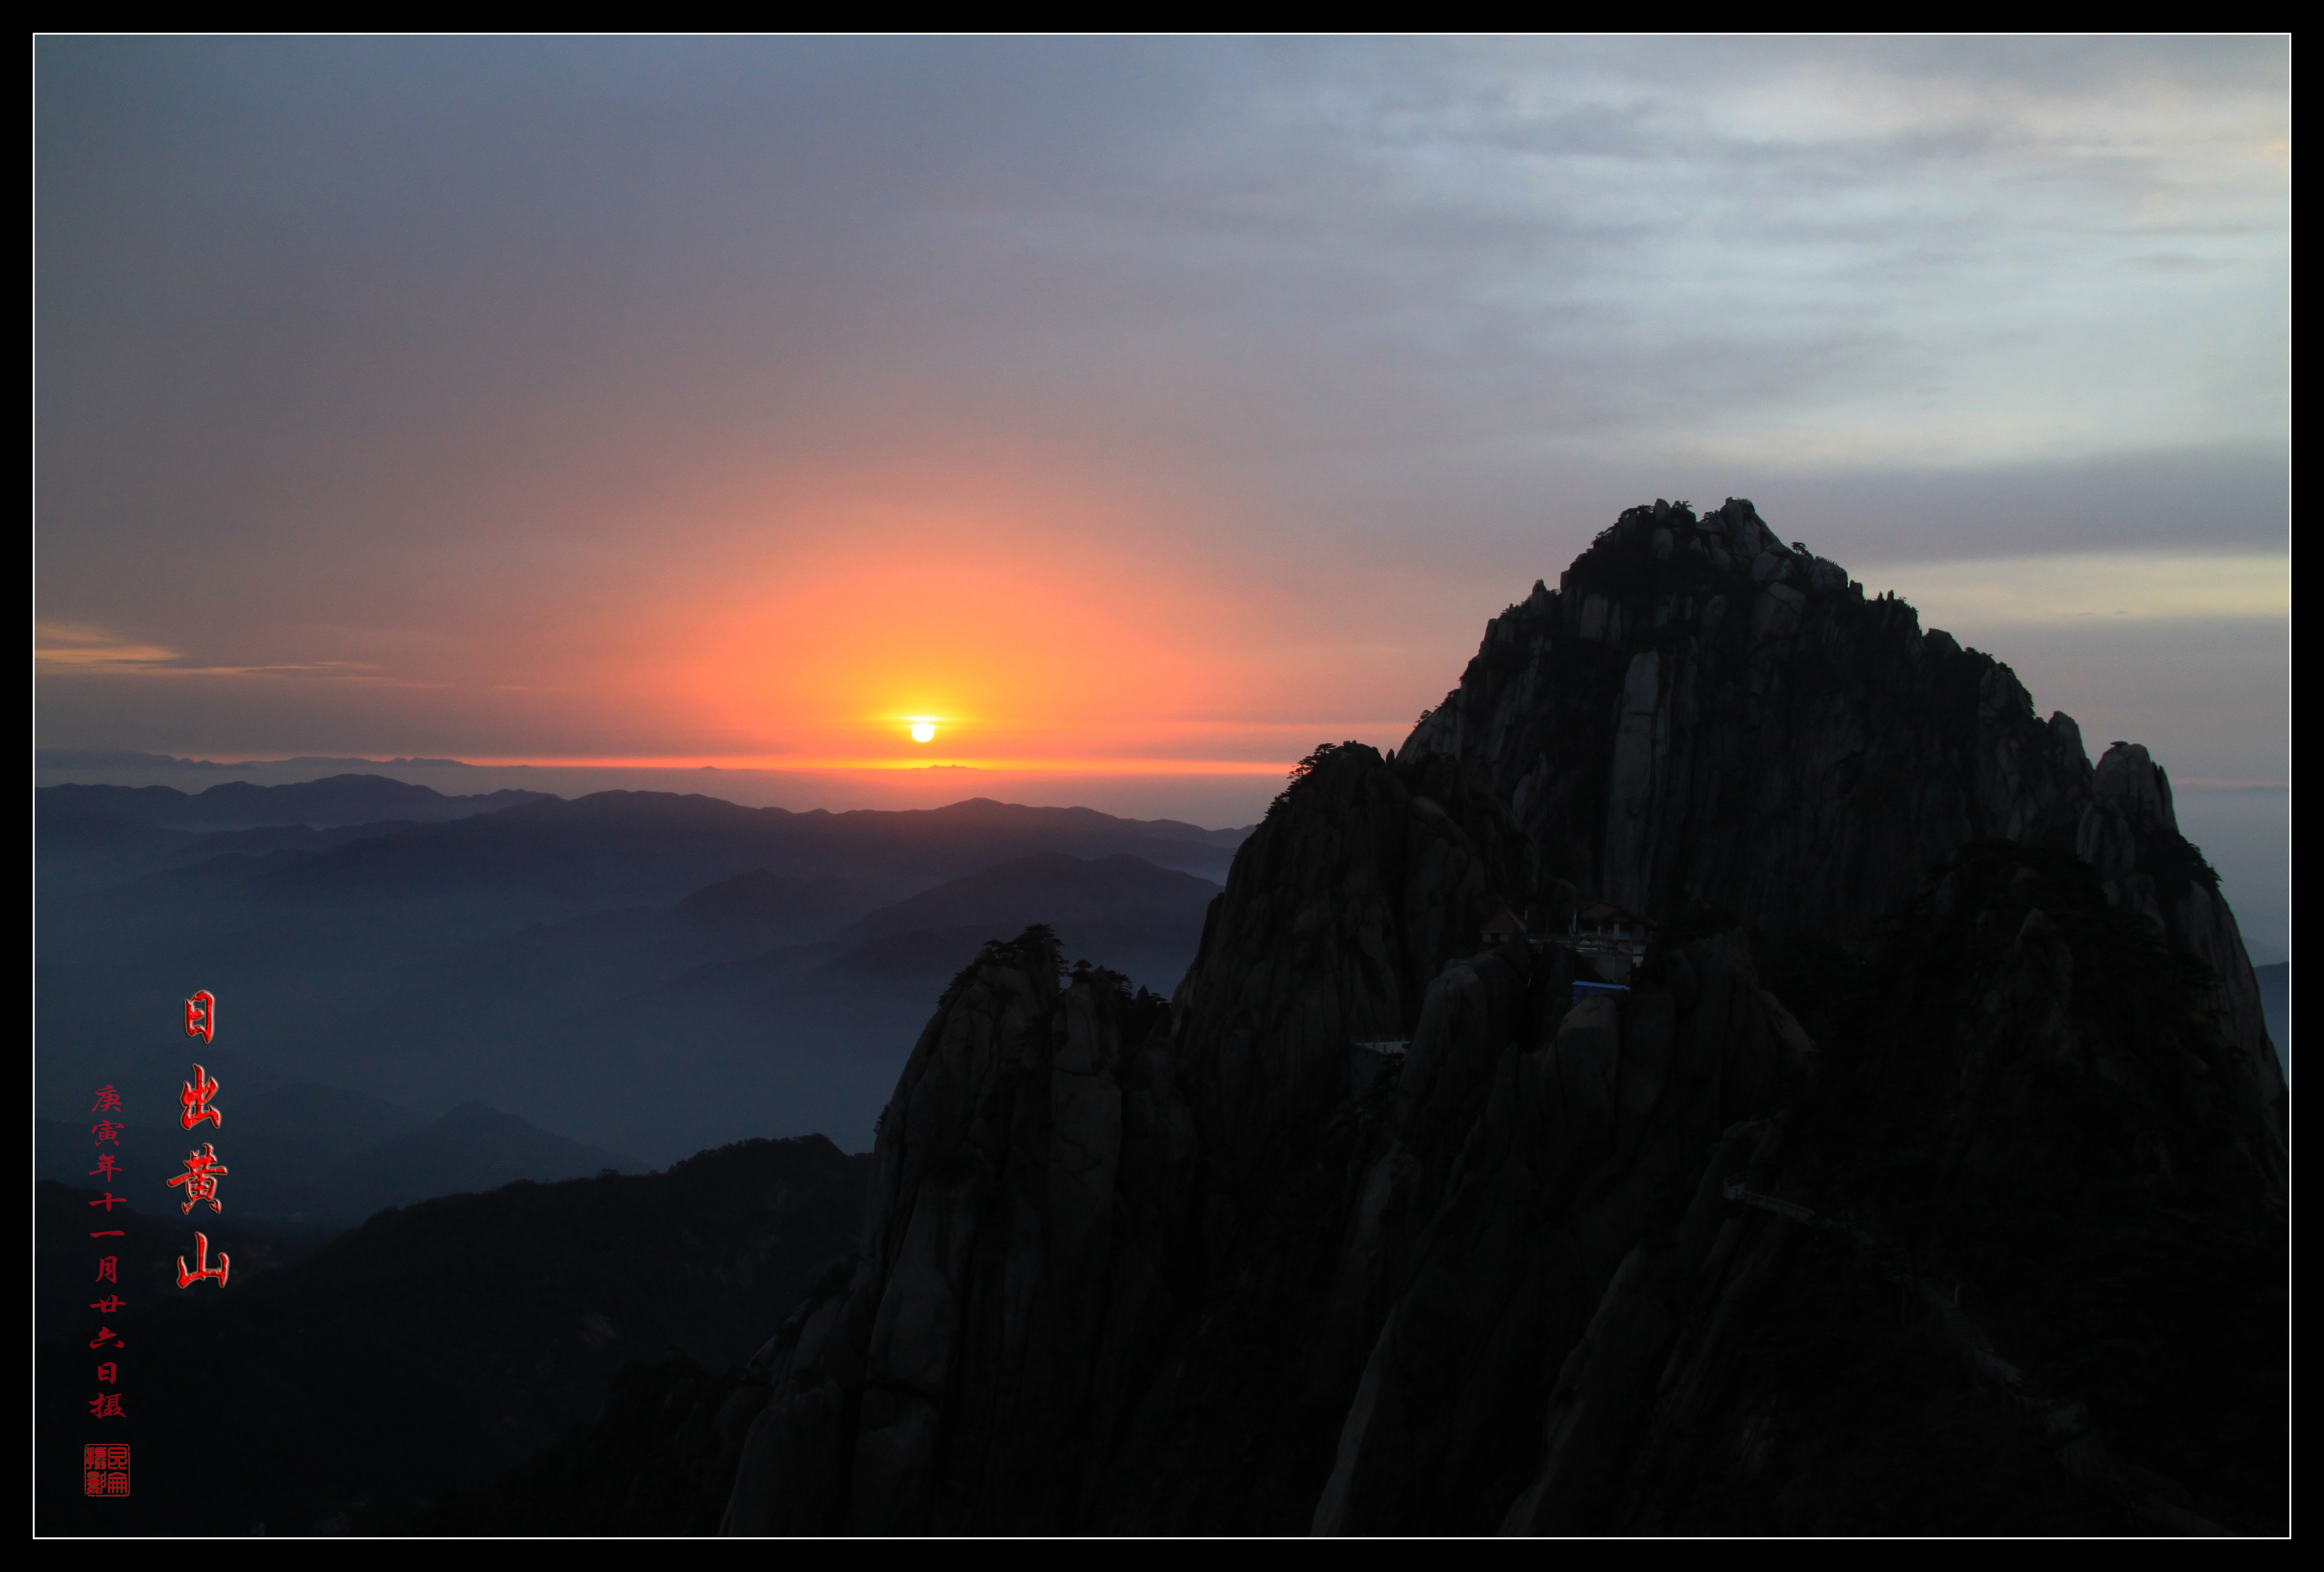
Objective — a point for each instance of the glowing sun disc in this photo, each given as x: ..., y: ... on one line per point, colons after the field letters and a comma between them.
x: 922, y: 730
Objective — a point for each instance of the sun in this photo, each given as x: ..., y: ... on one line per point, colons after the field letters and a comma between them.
x: 922, y: 730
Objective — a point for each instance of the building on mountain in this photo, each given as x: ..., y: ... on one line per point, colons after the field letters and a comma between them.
x: 1606, y: 940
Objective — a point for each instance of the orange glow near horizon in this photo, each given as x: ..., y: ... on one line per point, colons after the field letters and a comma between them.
x: 1020, y: 655
x: 1018, y: 623
x: 995, y: 766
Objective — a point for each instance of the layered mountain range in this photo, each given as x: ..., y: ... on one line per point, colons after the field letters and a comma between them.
x: 318, y: 1158
x: 1927, y: 1175
x: 771, y: 966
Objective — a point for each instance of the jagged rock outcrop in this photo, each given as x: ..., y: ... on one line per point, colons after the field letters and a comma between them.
x: 1016, y: 1261
x: 1868, y: 1207
x: 2129, y: 833
x: 1595, y: 1122
x: 1703, y: 714
x: 2011, y: 1266
x: 1336, y: 919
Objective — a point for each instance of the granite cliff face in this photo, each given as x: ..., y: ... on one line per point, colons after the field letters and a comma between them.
x: 1928, y: 1176
x: 1015, y: 1276
x: 1785, y: 748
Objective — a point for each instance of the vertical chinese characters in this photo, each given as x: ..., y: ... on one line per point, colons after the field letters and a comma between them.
x: 203, y: 1168
x: 105, y: 1467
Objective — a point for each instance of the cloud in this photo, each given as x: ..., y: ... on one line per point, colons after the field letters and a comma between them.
x: 515, y: 373
x: 2127, y: 585
x: 62, y: 647
x: 70, y: 649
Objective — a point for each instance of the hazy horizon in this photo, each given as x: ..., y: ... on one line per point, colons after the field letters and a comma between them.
x: 1133, y: 413
x: 1119, y: 403
x: 2244, y: 829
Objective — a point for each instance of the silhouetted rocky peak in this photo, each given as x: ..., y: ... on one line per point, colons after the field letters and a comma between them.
x: 1701, y: 716
x: 1924, y: 1173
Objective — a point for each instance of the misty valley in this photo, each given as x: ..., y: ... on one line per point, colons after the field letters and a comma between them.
x: 428, y: 997
x: 642, y: 973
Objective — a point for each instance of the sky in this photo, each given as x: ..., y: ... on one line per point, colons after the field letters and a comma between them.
x: 1142, y: 411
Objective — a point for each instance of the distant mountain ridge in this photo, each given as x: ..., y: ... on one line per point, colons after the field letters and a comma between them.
x: 550, y: 857
x: 1045, y: 887
x: 102, y: 759
x: 323, y: 1155
x: 485, y: 955
x: 606, y: 848
x: 847, y: 999
x: 326, y: 803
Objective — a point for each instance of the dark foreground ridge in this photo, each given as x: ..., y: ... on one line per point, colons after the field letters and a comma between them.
x: 341, y: 1384
x: 1928, y: 1177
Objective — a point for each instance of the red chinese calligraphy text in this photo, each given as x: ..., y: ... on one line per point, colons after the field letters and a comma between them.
x: 203, y: 1171
x: 202, y: 1267
x: 195, y: 1099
